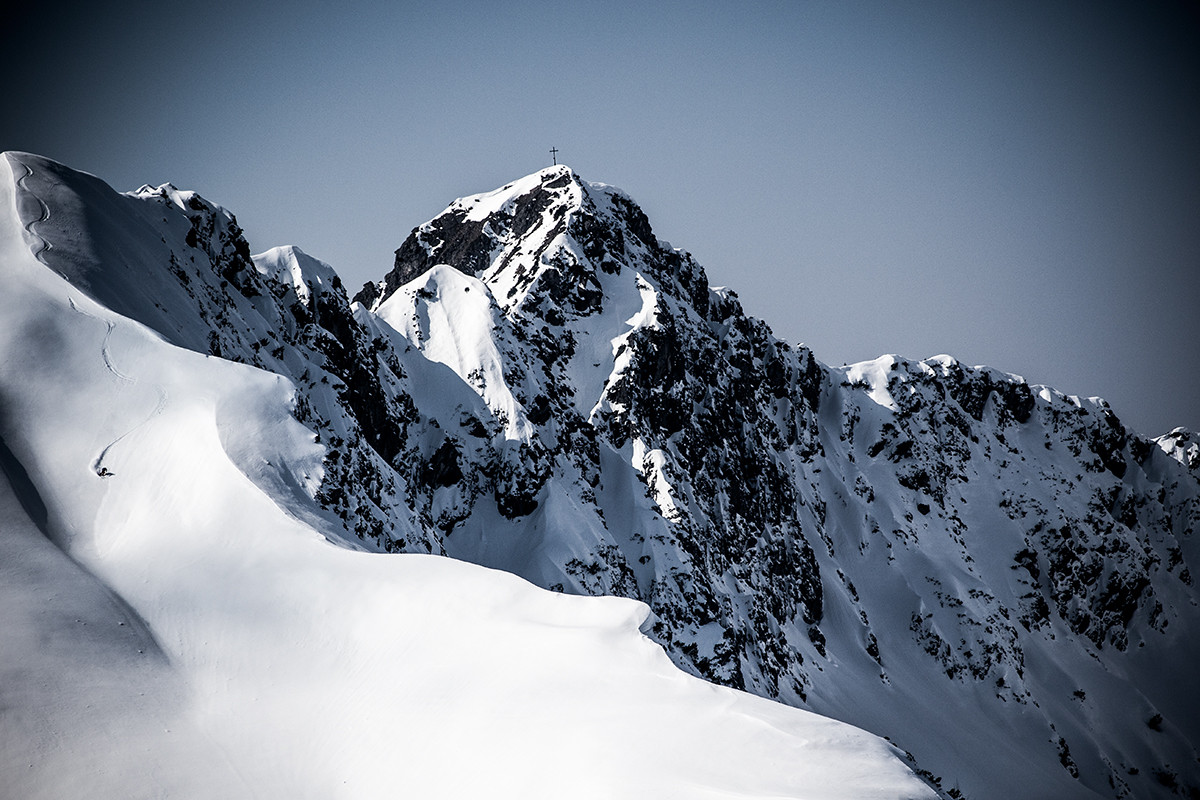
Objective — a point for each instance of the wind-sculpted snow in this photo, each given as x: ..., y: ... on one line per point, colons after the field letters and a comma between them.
x: 991, y: 574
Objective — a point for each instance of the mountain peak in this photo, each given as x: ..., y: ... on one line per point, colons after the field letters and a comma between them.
x: 553, y: 391
x: 557, y: 182
x: 467, y: 234
x: 517, y: 227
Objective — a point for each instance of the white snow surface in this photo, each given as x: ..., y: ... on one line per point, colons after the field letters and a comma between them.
x: 451, y: 318
x: 170, y: 630
x: 292, y: 266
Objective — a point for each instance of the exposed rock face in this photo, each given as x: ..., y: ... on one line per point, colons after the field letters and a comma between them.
x: 992, y: 574
x: 907, y: 523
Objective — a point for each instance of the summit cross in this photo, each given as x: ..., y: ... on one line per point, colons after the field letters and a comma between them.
x: 554, y: 155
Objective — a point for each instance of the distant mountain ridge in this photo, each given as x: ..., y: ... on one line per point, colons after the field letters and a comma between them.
x: 995, y: 576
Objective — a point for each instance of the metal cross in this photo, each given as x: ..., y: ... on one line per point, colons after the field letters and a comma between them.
x: 554, y: 155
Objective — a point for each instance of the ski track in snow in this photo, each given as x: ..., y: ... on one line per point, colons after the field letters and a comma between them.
x: 163, y: 397
x: 45, y: 246
x: 40, y: 253
x: 106, y: 354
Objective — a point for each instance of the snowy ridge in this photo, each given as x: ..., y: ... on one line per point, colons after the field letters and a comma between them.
x: 542, y: 386
x: 306, y: 275
x: 787, y: 519
x: 271, y: 662
x: 1181, y: 445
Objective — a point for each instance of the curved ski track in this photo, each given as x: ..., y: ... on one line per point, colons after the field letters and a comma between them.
x: 39, y: 253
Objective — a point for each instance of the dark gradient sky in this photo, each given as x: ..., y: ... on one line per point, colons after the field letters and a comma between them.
x: 1016, y: 184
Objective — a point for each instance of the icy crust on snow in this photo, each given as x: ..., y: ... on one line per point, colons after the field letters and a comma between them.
x: 292, y: 667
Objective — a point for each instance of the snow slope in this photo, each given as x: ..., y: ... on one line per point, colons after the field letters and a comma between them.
x: 879, y: 542
x: 994, y: 576
x: 173, y: 628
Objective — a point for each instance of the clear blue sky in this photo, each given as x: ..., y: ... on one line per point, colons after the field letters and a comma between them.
x: 1016, y: 184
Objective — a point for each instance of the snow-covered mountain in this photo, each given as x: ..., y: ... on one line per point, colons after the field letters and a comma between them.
x: 990, y: 574
x: 183, y: 617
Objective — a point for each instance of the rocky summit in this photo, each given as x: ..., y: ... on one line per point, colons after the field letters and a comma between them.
x: 995, y: 576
